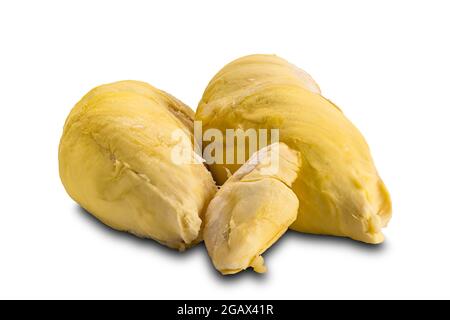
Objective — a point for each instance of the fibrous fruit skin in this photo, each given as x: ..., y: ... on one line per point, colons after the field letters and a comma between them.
x: 252, y: 210
x: 115, y: 160
x: 339, y: 189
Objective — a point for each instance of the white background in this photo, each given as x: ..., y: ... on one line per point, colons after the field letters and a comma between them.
x: 385, y: 63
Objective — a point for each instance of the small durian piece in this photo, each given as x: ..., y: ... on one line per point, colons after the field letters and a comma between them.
x: 252, y: 210
x: 116, y: 161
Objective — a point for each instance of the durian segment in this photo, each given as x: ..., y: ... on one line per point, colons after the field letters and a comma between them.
x: 340, y: 190
x: 252, y: 210
x: 115, y: 160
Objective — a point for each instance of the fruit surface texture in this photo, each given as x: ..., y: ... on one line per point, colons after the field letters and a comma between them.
x: 116, y: 161
x: 252, y: 210
x: 339, y: 188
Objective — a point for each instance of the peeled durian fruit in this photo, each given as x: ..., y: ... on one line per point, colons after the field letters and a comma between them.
x: 116, y: 161
x: 339, y: 189
x: 252, y: 210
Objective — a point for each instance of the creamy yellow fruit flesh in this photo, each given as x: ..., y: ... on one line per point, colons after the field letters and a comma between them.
x: 252, y: 210
x: 339, y: 189
x: 115, y: 160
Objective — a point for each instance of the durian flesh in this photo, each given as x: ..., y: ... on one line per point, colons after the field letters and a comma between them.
x: 339, y: 189
x: 115, y: 160
x: 252, y: 210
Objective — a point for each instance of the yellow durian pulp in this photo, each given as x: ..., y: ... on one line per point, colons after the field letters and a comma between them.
x: 252, y: 210
x: 339, y: 189
x: 115, y: 160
